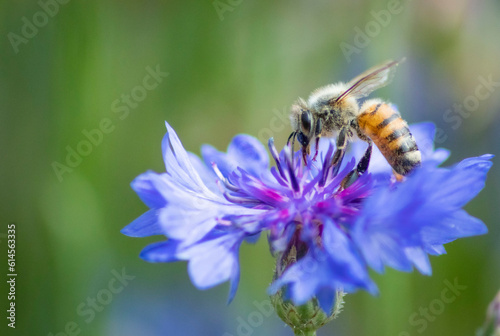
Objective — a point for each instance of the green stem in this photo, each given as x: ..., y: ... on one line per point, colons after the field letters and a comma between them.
x: 298, y: 332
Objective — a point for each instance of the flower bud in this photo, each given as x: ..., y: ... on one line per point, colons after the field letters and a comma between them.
x: 307, y: 318
x: 304, y: 319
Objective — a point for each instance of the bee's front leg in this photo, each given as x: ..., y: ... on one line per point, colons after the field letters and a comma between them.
x: 304, y: 156
x: 340, y: 151
x: 317, y: 149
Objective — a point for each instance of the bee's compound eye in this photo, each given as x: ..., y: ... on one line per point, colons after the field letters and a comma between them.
x: 302, y: 139
x: 306, y: 121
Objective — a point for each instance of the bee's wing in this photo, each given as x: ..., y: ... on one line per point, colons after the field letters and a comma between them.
x: 370, y: 80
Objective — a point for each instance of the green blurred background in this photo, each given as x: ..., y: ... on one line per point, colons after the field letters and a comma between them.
x: 234, y: 67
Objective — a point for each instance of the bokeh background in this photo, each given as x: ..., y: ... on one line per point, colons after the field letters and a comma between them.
x: 234, y: 66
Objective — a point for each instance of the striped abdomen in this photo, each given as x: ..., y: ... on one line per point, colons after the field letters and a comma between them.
x: 391, y: 134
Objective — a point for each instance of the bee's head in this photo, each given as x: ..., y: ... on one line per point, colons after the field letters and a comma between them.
x: 305, y: 124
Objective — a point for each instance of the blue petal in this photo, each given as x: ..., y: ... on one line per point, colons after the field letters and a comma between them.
x: 326, y: 298
x: 462, y: 183
x: 244, y: 152
x: 188, y: 217
x: 465, y: 225
x: 145, y: 188
x: 235, y: 279
x: 458, y: 224
x: 178, y: 163
x: 249, y: 153
x: 224, y: 164
x: 207, y: 174
x: 302, y: 279
x: 215, y: 261
x: 424, y: 213
x: 383, y: 249
x: 344, y: 257
x: 439, y: 156
x: 165, y: 251
x: 420, y: 259
x: 435, y: 249
x: 144, y: 226
x: 337, y: 266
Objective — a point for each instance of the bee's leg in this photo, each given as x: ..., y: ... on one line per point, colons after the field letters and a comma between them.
x: 306, y: 150
x: 340, y: 151
x: 363, y: 164
x: 304, y: 156
x: 361, y: 168
x: 317, y: 149
x: 398, y: 177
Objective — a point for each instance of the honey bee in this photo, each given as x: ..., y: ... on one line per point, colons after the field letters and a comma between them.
x: 334, y: 111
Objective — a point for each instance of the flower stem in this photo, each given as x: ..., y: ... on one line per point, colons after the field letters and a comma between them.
x: 298, y: 332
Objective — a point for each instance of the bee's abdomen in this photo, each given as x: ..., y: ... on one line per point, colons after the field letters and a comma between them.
x: 392, y: 136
